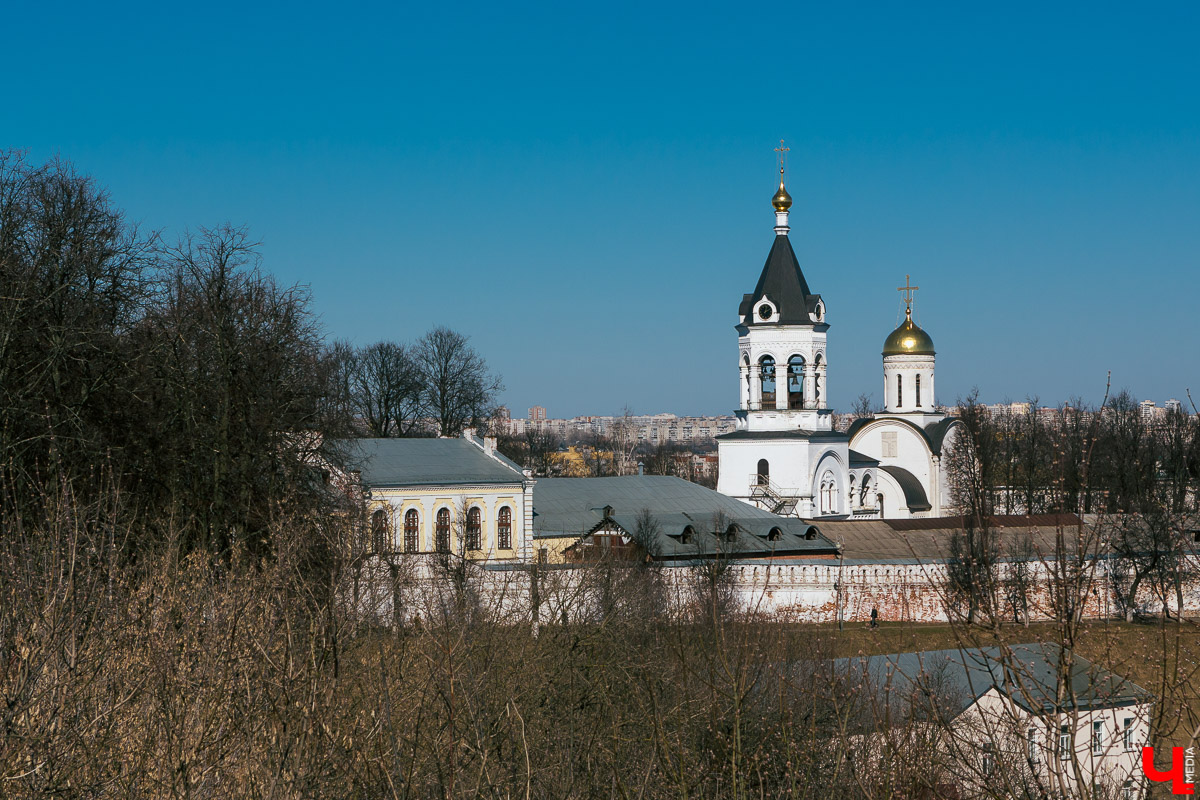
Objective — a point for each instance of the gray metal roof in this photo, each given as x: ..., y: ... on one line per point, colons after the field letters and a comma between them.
x: 573, y: 507
x: 858, y: 459
x: 1027, y: 673
x: 925, y: 540
x: 434, y: 462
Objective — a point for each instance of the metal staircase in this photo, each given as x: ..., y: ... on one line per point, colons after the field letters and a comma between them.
x: 773, y: 498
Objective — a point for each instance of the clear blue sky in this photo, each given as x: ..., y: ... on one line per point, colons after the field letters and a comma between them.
x: 584, y: 189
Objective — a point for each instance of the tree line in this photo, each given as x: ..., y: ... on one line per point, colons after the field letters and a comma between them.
x: 438, y: 385
x: 182, y: 375
x: 1081, y: 459
x: 1134, y: 480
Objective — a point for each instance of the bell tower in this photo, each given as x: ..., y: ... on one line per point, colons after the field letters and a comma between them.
x: 782, y: 357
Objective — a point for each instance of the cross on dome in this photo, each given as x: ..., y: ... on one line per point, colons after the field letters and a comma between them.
x: 908, y: 290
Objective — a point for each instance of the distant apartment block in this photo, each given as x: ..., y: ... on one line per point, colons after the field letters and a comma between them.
x: 650, y: 428
x: 1150, y: 411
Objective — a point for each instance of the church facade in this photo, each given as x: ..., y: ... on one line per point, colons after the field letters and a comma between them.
x: 785, y: 455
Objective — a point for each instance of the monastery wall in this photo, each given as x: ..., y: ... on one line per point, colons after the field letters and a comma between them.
x: 426, y: 587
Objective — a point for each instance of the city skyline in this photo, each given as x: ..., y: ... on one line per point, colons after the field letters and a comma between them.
x: 586, y: 195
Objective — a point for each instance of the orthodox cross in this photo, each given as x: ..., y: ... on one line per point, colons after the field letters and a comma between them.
x: 908, y: 290
x: 782, y: 155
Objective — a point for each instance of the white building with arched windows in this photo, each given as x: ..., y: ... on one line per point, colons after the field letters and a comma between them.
x: 786, y: 456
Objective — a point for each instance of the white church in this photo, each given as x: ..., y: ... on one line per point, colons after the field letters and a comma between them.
x: 786, y: 456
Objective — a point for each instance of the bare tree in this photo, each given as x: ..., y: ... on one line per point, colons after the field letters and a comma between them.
x: 387, y: 389
x: 541, y: 448
x: 74, y: 276
x: 624, y: 441
x: 865, y: 405
x: 233, y: 400
x: 459, y: 391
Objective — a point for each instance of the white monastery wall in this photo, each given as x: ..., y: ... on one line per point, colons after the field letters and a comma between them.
x: 819, y: 591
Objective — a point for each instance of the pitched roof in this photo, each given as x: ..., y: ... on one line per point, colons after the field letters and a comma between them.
x: 434, y: 462
x: 859, y: 459
x: 783, y: 283
x: 566, y: 507
x: 1026, y: 673
x: 927, y: 539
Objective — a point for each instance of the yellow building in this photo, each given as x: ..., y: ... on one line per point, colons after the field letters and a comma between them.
x: 445, y: 495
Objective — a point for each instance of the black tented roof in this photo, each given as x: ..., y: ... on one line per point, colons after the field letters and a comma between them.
x: 782, y: 282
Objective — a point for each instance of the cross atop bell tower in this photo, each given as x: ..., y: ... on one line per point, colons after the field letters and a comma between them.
x: 782, y: 201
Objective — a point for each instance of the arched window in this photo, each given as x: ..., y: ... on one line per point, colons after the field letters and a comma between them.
x: 828, y: 494
x: 795, y: 382
x: 899, y: 390
x: 504, y: 529
x: 764, y: 472
x: 767, y: 381
x: 774, y: 535
x: 917, y: 393
x: 412, y: 531
x: 379, y: 531
x: 474, y: 529
x: 865, y: 496
x: 442, y: 531
x: 688, y: 535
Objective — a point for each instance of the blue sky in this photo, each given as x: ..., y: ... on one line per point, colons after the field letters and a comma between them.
x: 584, y: 189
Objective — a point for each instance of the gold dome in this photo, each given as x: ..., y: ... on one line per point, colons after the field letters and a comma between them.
x: 782, y: 200
x: 908, y: 340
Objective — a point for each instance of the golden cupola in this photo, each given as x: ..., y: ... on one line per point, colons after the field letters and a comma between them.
x: 908, y: 340
x: 782, y: 201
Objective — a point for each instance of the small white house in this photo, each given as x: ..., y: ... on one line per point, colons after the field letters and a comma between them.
x: 1026, y: 720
